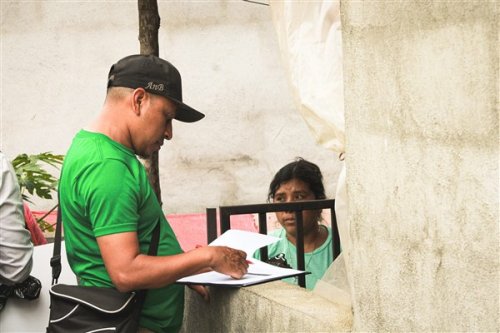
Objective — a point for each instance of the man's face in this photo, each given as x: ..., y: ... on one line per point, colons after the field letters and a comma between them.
x: 155, y: 125
x: 296, y: 190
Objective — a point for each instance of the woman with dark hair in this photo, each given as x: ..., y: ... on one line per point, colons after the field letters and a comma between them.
x: 297, y: 181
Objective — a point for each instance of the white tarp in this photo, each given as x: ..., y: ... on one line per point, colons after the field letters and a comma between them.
x: 310, y: 40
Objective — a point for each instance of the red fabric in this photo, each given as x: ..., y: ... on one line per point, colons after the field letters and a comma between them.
x: 37, y: 237
x: 191, y: 229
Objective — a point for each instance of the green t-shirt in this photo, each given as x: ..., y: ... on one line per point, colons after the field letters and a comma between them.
x: 104, y: 189
x: 316, y: 262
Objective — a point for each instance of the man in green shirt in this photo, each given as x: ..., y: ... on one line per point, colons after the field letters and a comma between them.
x: 109, y: 208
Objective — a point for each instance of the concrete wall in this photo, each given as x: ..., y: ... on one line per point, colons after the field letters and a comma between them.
x: 55, y: 57
x: 421, y: 96
x: 271, y: 307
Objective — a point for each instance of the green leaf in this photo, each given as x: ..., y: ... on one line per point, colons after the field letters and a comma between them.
x: 34, y: 177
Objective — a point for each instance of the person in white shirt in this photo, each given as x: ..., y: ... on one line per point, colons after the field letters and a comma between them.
x: 16, y: 248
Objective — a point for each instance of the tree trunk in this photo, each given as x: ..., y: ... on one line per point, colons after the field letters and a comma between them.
x: 149, y: 23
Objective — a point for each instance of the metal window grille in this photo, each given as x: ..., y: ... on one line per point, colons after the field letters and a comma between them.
x: 225, y: 213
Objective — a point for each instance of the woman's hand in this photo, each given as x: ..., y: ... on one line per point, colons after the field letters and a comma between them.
x: 201, y: 290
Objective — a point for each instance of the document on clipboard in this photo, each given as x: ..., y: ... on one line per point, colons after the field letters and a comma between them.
x: 258, y: 271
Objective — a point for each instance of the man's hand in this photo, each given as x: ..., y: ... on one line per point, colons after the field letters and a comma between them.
x: 229, y: 261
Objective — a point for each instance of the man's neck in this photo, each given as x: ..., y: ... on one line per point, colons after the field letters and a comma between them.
x: 112, y: 126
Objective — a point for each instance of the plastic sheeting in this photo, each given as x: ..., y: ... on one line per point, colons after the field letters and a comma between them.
x: 310, y: 40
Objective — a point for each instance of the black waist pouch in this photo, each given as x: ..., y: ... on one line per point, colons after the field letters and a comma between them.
x: 92, y: 309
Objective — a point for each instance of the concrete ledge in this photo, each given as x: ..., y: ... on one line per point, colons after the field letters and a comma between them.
x: 269, y: 307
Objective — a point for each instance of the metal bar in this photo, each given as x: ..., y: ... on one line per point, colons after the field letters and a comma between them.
x: 278, y: 207
x: 264, y: 254
x: 211, y: 225
x: 299, y: 240
x: 225, y: 219
x: 335, y: 233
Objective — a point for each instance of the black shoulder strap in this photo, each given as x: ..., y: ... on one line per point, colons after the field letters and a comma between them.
x: 55, y: 261
x: 153, y: 248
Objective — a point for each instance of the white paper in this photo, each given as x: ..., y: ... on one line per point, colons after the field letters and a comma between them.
x: 247, y: 241
x: 258, y: 271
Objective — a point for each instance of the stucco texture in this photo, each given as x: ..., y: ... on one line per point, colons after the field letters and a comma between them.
x: 422, y: 124
x: 55, y: 57
x: 270, y: 307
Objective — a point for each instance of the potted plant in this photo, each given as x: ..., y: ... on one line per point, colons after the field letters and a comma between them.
x: 35, y: 180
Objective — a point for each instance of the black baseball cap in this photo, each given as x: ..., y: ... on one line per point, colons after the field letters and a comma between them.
x: 156, y: 76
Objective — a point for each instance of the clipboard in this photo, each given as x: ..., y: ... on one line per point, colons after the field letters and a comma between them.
x: 258, y: 271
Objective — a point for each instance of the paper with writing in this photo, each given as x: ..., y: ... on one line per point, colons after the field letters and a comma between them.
x: 258, y: 271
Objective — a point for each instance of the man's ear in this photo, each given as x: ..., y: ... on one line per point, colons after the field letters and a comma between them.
x: 137, y: 98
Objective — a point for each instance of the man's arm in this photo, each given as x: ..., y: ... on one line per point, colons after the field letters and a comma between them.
x: 16, y: 249
x: 131, y: 270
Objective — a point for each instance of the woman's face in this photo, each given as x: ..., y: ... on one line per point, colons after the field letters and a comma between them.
x: 296, y: 190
